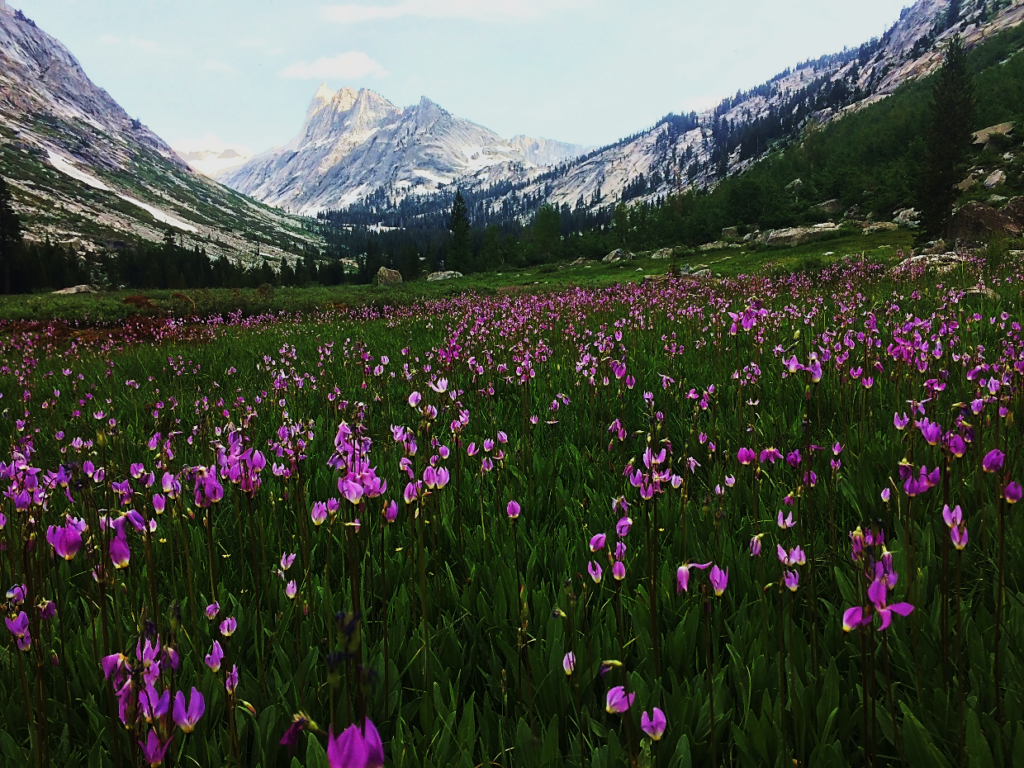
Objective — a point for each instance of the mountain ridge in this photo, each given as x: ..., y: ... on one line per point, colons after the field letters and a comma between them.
x: 352, y: 142
x: 688, y: 151
x: 82, y: 171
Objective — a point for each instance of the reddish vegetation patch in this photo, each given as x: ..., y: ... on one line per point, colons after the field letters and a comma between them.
x: 139, y: 302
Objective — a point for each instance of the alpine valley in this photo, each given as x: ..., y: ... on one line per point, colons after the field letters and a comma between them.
x: 83, y: 172
x: 358, y: 154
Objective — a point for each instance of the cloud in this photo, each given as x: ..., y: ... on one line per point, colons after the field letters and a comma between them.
x: 476, y: 10
x: 352, y: 65
x: 212, y: 65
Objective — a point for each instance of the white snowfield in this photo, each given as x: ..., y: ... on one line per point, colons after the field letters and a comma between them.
x: 66, y: 167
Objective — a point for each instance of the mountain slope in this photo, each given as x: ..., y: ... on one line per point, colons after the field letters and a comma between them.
x: 82, y: 170
x: 688, y: 151
x: 355, y: 143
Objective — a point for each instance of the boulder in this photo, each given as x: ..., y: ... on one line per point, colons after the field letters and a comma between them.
x: 702, y: 273
x: 731, y: 233
x: 449, y: 275
x: 881, y: 226
x: 387, y: 276
x: 984, y: 291
x: 664, y: 253
x: 906, y: 217
x: 982, y: 136
x: 795, y: 185
x: 619, y: 254
x: 829, y: 206
x: 995, y: 179
x: 940, y: 263
x: 793, y: 236
x: 967, y: 183
x: 1015, y: 210
x: 76, y: 289
x: 976, y: 221
x: 715, y: 246
x: 852, y: 212
x: 996, y: 199
x: 752, y: 236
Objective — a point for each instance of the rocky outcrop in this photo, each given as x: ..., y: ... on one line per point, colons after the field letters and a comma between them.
x: 86, y: 169
x: 829, y: 206
x: 798, y: 235
x: 449, y: 275
x: 976, y: 221
x: 1015, y: 210
x: 880, y: 226
x: 76, y: 289
x: 940, y: 263
x: 995, y: 179
x: 619, y: 254
x: 907, y: 217
x: 664, y: 253
x: 386, y: 277
x: 982, y: 137
x: 718, y: 245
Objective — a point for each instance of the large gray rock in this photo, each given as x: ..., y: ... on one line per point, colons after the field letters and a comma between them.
x: 76, y: 290
x: 995, y: 179
x: 908, y: 217
x: 619, y: 254
x: 715, y: 246
x: 829, y: 206
x: 449, y: 275
x: 880, y: 226
x: 664, y: 253
x: 387, y: 276
x: 798, y: 235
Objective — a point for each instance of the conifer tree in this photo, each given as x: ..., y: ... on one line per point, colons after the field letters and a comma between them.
x: 10, y: 233
x: 949, y: 138
x: 460, y: 255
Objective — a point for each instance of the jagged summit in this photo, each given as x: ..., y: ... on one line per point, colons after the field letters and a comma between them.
x: 323, y: 93
x: 363, y: 143
x: 390, y: 153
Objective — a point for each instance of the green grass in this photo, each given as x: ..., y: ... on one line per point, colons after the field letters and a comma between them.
x: 109, y: 306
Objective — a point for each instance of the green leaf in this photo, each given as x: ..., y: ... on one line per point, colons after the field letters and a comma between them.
x: 315, y: 755
x: 10, y: 749
x: 845, y: 587
x: 978, y: 753
x: 918, y: 746
x: 681, y: 759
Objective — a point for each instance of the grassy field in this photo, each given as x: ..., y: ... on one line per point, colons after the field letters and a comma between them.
x: 750, y: 521
x: 111, y: 306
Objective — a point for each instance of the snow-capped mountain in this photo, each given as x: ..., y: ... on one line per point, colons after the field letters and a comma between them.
x: 211, y: 156
x: 680, y: 152
x: 695, y: 150
x: 80, y: 169
x: 356, y: 143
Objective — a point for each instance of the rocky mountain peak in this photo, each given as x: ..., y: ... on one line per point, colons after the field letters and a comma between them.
x: 323, y: 94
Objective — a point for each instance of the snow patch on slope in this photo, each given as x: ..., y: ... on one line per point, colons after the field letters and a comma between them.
x: 67, y: 168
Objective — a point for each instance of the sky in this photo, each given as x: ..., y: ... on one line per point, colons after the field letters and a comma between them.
x: 241, y: 73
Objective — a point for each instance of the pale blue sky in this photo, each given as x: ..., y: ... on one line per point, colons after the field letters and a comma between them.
x: 585, y: 71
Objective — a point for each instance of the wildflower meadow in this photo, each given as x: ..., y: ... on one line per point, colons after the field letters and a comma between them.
x: 757, y: 521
